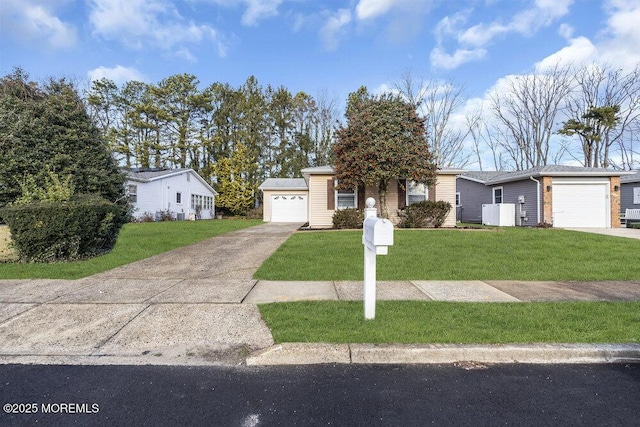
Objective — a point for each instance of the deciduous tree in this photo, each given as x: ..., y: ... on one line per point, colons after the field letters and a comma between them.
x: 235, y: 192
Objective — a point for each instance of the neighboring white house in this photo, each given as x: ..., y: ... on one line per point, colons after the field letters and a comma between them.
x: 181, y: 192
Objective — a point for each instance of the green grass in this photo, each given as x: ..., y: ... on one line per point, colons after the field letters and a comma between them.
x: 135, y: 242
x: 444, y: 322
x: 503, y: 254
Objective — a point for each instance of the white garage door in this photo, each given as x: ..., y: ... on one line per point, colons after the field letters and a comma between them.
x: 289, y: 208
x: 581, y: 203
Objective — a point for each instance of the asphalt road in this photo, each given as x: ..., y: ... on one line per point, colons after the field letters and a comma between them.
x: 353, y: 395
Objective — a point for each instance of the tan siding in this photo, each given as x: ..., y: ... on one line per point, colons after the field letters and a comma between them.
x: 266, y: 205
x: 319, y: 215
x: 392, y: 199
x: 446, y: 191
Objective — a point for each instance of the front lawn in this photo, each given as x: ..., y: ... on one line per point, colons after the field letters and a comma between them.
x: 135, y: 242
x: 444, y: 322
x: 499, y: 254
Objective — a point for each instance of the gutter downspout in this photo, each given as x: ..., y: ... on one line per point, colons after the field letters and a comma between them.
x: 537, y: 195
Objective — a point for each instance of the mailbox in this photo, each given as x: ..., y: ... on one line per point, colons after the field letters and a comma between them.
x: 378, y: 234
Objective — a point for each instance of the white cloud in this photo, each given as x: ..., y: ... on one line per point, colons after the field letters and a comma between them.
x: 617, y: 45
x: 449, y: 25
x: 367, y: 9
x: 332, y: 29
x: 441, y: 59
x: 118, y: 74
x: 184, y: 53
x: 566, y: 31
x: 259, y: 9
x: 32, y: 20
x: 473, y: 41
x: 622, y: 36
x: 142, y: 23
x: 542, y: 15
x: 481, y: 34
x: 579, y: 51
x: 256, y: 10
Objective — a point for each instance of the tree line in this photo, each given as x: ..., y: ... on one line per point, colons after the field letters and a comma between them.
x: 233, y: 137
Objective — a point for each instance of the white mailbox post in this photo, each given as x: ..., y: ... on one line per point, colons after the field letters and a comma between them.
x: 377, y: 236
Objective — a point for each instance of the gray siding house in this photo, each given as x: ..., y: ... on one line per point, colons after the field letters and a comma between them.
x: 472, y: 194
x: 630, y: 191
x: 563, y: 196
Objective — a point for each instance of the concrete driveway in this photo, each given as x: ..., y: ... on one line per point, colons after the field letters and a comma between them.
x: 182, y: 306
x: 631, y: 233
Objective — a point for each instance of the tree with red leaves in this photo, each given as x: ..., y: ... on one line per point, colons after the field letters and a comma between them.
x: 383, y: 139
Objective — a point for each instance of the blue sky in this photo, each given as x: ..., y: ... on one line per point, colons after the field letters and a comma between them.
x: 311, y: 45
x: 330, y: 46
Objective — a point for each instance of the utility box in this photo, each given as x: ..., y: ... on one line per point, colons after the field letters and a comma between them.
x: 378, y: 234
x: 500, y: 214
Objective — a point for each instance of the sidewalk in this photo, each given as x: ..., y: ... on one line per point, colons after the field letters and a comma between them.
x: 197, y: 306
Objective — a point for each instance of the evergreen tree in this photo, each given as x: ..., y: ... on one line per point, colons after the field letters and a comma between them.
x: 46, y: 128
x: 383, y: 139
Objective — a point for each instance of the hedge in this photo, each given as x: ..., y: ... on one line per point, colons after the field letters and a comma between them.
x: 425, y: 214
x: 348, y: 218
x: 48, y: 232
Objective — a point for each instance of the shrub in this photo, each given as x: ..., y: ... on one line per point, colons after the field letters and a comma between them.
x: 348, y: 218
x: 544, y: 225
x: 254, y: 213
x: 425, y: 214
x: 47, y: 232
x: 164, y: 216
x: 146, y: 217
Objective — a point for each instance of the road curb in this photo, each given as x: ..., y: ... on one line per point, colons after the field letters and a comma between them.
x: 318, y: 353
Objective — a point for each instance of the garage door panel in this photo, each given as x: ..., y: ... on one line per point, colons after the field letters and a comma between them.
x: 289, y: 208
x: 580, y: 204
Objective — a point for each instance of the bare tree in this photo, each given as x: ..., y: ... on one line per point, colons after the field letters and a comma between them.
x: 328, y: 116
x: 526, y: 111
x: 600, y: 87
x: 485, y: 136
x: 437, y: 102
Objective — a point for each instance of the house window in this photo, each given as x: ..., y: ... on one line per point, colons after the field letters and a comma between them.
x: 133, y: 193
x: 458, y: 199
x: 346, y: 199
x: 179, y: 198
x: 636, y: 195
x: 497, y: 195
x: 416, y: 192
x: 201, y: 202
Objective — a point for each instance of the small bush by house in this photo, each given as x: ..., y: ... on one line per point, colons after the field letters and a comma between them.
x: 348, y: 218
x: 425, y: 214
x: 63, y: 231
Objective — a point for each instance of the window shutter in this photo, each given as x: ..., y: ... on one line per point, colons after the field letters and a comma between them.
x: 402, y: 193
x: 331, y: 197
x: 361, y: 199
x: 431, y: 193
